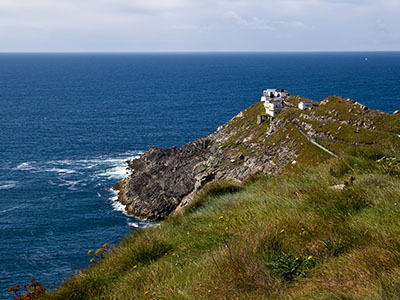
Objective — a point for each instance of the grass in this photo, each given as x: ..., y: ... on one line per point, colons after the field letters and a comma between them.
x: 284, y: 237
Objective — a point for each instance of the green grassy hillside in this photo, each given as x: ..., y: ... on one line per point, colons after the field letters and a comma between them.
x: 287, y: 237
x: 327, y: 228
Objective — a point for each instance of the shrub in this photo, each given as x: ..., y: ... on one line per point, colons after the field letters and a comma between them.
x: 290, y: 266
x: 33, y: 291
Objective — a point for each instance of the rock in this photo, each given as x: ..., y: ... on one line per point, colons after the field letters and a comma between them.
x: 396, y: 112
x: 350, y: 110
x: 324, y: 102
x: 338, y: 187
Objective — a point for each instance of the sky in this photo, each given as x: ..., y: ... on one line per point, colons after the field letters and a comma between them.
x: 196, y: 26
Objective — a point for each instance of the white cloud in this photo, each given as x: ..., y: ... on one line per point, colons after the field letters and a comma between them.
x: 185, y: 27
x: 253, y: 23
x: 190, y: 25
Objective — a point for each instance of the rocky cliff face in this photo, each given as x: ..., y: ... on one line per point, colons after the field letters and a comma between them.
x: 163, y: 181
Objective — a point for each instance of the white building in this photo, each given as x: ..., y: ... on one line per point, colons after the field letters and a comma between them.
x: 274, y: 94
x: 273, y: 100
x: 304, y: 105
x: 273, y: 107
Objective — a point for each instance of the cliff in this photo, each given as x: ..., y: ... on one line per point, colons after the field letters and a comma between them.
x: 163, y: 181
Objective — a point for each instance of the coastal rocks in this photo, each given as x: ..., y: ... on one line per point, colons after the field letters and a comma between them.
x: 162, y: 177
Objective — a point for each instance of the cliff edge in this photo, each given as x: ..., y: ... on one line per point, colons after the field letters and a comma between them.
x: 163, y: 181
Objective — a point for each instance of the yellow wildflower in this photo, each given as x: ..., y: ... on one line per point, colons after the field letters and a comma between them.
x: 100, y: 251
x: 283, y: 230
x: 146, y: 292
x: 395, y: 203
x: 134, y: 267
x: 297, y: 258
x: 220, y: 217
x: 309, y: 257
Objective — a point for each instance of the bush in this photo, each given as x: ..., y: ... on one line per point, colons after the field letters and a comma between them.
x: 290, y: 266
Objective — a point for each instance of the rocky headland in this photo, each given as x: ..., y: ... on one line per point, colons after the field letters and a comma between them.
x: 164, y: 181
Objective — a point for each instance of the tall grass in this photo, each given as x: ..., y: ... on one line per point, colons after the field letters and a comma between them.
x: 284, y: 237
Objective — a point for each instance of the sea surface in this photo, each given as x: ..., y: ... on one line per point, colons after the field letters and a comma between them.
x: 69, y: 122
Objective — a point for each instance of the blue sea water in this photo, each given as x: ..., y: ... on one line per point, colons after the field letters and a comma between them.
x: 68, y: 123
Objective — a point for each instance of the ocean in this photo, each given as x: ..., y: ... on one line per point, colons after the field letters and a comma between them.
x: 69, y: 122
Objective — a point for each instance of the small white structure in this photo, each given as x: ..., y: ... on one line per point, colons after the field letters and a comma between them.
x: 274, y: 94
x: 303, y: 105
x: 273, y: 100
x: 273, y: 107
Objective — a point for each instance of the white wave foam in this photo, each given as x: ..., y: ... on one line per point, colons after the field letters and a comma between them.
x: 134, y: 224
x: 65, y: 162
x: 5, y: 185
x: 117, y: 206
x: 142, y: 224
x: 114, y: 194
x: 111, y: 167
x: 118, y: 168
x: 118, y: 172
x: 12, y: 208
x: 60, y: 171
x: 70, y: 183
x: 25, y: 166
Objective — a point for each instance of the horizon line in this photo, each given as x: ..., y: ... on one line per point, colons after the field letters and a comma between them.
x: 196, y: 52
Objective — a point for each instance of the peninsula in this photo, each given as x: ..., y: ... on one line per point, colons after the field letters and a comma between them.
x: 273, y: 135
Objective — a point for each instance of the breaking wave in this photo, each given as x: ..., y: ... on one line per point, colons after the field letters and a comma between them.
x: 75, y: 174
x: 5, y: 185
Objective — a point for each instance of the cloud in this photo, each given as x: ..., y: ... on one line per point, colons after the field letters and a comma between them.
x: 188, y: 25
x: 253, y: 23
x: 260, y: 24
x: 185, y: 27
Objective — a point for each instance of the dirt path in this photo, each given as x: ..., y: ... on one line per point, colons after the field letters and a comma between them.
x: 312, y: 140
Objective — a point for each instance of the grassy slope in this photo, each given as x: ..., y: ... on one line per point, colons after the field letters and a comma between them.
x: 285, y: 237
